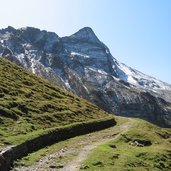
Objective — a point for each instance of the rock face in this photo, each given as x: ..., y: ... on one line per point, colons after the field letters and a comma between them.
x: 82, y: 64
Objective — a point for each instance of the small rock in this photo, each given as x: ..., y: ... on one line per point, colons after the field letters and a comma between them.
x: 97, y: 163
x: 115, y: 156
x: 7, y: 143
x: 112, y: 145
x: 84, y: 167
x: 60, y: 157
x: 63, y: 150
x: 59, y: 166
x: 52, y: 166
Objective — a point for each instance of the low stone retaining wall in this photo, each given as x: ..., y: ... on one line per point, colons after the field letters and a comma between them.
x: 8, y: 156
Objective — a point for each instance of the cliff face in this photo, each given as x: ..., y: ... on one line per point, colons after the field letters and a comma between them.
x: 82, y: 64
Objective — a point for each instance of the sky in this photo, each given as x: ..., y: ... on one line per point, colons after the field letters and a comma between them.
x: 137, y: 32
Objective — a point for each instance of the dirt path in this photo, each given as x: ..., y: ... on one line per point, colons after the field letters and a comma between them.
x: 75, y: 164
x: 70, y: 157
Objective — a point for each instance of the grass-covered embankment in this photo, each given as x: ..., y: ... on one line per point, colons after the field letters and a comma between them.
x: 30, y: 105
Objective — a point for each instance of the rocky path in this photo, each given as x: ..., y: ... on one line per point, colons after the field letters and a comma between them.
x: 70, y: 157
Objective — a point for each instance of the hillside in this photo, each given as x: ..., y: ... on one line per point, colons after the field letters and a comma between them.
x: 30, y: 105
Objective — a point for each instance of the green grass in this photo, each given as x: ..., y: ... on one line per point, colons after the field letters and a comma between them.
x: 32, y: 158
x: 155, y: 157
x: 29, y: 105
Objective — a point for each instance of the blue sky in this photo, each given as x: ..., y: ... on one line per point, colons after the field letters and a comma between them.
x: 138, y: 32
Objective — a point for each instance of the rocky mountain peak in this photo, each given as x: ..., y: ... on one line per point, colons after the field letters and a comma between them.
x: 39, y: 36
x: 86, y: 34
x: 7, y: 32
x: 10, y: 29
x: 35, y: 31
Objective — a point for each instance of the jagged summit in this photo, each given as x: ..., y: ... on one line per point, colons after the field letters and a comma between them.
x: 36, y: 35
x: 29, y: 38
x: 8, y: 29
x: 37, y: 30
x: 82, y: 64
x: 85, y: 34
x: 28, y: 28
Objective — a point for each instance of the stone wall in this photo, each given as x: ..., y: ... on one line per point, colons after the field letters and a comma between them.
x: 8, y: 156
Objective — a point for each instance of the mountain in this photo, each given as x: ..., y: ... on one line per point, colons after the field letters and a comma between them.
x: 82, y: 64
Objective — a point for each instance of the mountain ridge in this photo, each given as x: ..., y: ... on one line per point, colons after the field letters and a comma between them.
x: 82, y: 64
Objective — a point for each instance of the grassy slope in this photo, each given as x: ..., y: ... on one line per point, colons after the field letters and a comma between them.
x: 132, y: 158
x: 29, y: 105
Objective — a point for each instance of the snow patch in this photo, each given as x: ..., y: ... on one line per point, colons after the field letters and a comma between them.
x: 6, y: 36
x: 21, y: 58
x: 113, y: 66
x: 97, y: 70
x: 107, y: 51
x: 27, y: 45
x: 67, y: 84
x: 33, y: 51
x: 73, y: 54
x: 33, y: 66
x: 137, y: 78
x: 86, y: 89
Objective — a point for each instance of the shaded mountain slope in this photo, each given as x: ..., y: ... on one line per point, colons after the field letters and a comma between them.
x: 82, y: 64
